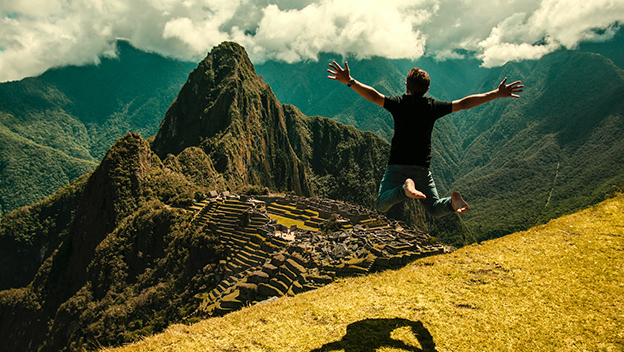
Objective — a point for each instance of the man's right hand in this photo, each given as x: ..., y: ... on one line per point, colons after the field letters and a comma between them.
x: 338, y: 74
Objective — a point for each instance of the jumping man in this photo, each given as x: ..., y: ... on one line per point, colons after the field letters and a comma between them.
x: 407, y: 174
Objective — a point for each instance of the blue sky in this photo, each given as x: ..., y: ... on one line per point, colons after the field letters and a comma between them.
x: 38, y: 34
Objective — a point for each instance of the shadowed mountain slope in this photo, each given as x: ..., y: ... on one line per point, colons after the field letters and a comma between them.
x: 117, y: 245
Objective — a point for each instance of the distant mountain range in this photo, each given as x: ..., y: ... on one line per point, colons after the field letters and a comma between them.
x: 56, y: 127
x: 520, y: 162
x: 306, y: 86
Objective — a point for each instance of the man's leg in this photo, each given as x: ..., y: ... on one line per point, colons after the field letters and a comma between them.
x: 395, y: 187
x: 436, y: 206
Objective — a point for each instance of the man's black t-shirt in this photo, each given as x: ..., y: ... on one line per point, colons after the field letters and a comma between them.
x: 413, y: 123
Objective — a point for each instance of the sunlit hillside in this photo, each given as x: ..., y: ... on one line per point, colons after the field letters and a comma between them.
x: 555, y: 287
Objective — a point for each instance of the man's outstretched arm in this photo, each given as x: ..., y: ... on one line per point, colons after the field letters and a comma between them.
x: 344, y: 76
x: 503, y: 91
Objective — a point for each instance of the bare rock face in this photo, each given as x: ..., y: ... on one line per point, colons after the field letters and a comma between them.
x: 227, y: 110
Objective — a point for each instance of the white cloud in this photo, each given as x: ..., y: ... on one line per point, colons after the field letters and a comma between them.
x: 448, y: 54
x: 38, y: 34
x: 555, y: 24
x: 361, y: 28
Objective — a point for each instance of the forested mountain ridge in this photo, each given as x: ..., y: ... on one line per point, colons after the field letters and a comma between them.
x: 557, y: 149
x: 518, y: 162
x: 56, y: 127
x: 305, y: 85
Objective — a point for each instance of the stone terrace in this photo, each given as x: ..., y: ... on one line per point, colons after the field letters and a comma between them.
x: 275, y: 246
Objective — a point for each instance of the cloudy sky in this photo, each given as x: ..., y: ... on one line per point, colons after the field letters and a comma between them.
x: 38, y: 34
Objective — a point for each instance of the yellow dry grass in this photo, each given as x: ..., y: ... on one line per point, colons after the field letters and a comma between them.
x: 556, y: 287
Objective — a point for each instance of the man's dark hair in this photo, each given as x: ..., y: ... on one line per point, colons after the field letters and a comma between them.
x: 418, y: 81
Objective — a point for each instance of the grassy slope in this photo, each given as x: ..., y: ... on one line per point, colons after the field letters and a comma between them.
x: 555, y: 287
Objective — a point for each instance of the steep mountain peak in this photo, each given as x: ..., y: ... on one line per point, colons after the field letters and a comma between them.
x: 227, y: 110
x: 210, y: 99
x: 112, y: 192
x: 230, y: 60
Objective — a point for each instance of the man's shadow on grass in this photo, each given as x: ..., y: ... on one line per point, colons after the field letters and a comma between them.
x: 370, y: 334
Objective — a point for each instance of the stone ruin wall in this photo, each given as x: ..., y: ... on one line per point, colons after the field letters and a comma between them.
x: 266, y: 258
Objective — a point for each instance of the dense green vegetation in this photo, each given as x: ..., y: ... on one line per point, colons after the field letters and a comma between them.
x: 30, y: 171
x: 56, y: 127
x: 31, y: 234
x: 120, y: 259
x: 552, y: 152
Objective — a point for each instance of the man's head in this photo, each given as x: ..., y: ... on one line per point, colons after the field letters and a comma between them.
x: 417, y: 82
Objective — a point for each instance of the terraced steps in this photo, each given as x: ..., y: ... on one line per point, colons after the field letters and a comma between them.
x: 267, y: 256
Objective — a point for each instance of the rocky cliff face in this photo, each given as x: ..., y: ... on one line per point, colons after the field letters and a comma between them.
x: 233, y: 116
x: 228, y: 111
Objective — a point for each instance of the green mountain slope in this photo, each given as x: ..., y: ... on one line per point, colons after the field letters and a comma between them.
x: 556, y: 150
x: 75, y: 114
x: 22, y: 161
x: 306, y: 86
x: 117, y: 238
x: 518, y: 162
x: 612, y: 49
x: 555, y: 287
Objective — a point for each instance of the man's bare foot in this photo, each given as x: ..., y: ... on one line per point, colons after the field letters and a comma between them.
x: 410, y: 190
x: 458, y: 203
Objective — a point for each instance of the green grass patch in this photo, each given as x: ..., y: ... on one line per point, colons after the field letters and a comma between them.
x: 289, y: 222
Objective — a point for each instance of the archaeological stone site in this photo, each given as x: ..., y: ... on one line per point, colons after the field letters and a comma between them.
x: 284, y: 245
